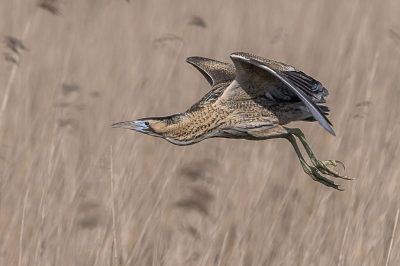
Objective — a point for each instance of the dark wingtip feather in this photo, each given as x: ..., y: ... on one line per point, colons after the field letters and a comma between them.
x: 332, y: 132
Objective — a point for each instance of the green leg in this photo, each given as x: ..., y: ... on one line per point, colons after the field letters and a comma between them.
x: 322, y: 166
x: 309, y: 170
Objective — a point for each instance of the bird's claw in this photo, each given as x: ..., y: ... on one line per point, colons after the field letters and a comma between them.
x: 339, y: 162
x: 322, y: 166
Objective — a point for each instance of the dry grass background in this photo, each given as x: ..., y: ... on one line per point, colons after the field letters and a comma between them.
x: 219, y: 202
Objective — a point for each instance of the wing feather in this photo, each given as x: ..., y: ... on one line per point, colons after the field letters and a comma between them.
x: 214, y: 71
x: 298, y: 83
x: 309, y: 85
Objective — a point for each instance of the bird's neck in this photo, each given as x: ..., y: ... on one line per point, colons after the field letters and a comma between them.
x: 187, y: 128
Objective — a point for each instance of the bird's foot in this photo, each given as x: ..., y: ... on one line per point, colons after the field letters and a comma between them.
x: 313, y: 172
x: 322, y: 166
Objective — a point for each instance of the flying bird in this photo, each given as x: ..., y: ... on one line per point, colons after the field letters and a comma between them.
x: 252, y: 99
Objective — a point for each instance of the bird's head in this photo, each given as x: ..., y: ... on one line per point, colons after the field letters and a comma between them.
x: 172, y: 128
x: 156, y: 127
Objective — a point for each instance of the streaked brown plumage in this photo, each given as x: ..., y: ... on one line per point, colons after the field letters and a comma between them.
x: 251, y: 99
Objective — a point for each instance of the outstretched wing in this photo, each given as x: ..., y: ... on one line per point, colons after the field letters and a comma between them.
x: 214, y: 71
x: 258, y: 76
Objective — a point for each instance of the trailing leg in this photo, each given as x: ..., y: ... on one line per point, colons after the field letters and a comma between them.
x: 309, y: 170
x: 322, y: 166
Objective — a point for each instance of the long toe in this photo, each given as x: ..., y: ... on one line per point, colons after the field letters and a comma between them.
x: 313, y: 173
x: 322, y: 166
x: 325, y: 181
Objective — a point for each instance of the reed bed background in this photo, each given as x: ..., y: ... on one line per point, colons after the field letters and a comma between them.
x: 74, y: 191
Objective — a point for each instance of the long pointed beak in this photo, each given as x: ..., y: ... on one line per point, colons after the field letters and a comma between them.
x: 133, y: 125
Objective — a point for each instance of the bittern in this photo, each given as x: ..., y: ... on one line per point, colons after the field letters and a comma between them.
x: 252, y: 100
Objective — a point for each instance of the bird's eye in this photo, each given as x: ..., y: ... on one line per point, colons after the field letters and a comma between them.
x: 147, y: 123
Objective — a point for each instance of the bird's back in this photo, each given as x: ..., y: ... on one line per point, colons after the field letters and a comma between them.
x: 256, y: 89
